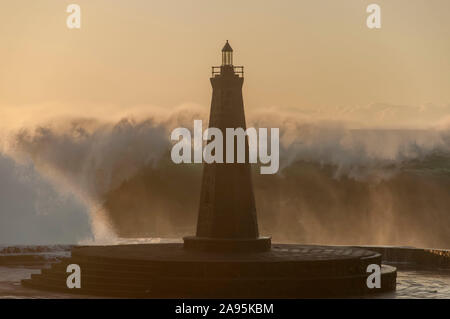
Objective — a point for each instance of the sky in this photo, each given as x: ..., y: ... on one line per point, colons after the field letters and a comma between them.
x: 298, y: 55
x: 313, y: 58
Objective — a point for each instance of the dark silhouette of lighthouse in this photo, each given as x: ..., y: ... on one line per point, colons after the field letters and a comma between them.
x: 226, y: 258
x: 227, y: 214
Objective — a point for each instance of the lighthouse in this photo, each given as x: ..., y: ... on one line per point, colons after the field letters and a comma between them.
x: 226, y: 258
x: 227, y: 213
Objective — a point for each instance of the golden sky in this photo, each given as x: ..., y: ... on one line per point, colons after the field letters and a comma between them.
x: 315, y: 54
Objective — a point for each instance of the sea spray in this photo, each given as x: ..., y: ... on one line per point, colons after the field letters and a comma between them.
x: 336, y: 184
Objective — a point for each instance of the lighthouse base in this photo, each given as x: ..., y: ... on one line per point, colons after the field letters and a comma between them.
x: 259, y: 244
x: 170, y: 271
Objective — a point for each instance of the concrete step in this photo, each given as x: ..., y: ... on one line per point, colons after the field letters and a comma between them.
x: 217, y: 269
x: 191, y: 287
x: 160, y: 270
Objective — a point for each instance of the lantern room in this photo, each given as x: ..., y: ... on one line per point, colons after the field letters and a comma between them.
x: 227, y: 54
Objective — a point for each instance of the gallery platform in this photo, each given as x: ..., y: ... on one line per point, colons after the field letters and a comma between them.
x: 171, y: 271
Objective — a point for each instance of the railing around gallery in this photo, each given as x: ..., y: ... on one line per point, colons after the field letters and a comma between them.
x: 217, y: 70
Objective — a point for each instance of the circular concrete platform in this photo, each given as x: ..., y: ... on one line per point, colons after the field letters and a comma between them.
x: 169, y: 270
x: 258, y: 244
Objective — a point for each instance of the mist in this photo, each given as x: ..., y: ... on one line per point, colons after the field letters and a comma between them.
x: 340, y: 182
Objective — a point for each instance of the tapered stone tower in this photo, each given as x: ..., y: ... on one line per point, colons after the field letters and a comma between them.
x: 227, y: 213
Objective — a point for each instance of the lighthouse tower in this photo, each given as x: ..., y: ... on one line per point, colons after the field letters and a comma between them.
x: 227, y: 213
x: 226, y: 258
